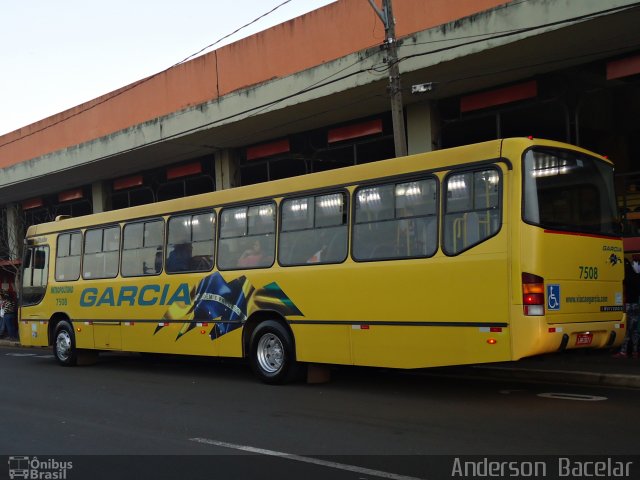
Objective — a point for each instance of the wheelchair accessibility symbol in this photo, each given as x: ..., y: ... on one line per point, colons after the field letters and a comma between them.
x: 553, y: 297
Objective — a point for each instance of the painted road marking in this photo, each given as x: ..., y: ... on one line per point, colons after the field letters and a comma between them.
x: 34, y: 355
x: 299, y: 458
x: 573, y: 396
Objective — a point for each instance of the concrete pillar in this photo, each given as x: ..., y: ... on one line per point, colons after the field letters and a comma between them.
x: 15, y: 233
x: 423, y: 127
x: 98, y: 197
x: 227, y: 170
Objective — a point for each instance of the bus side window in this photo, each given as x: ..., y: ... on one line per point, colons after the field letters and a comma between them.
x: 68, y: 252
x: 313, y: 230
x: 142, y: 248
x: 190, y: 243
x: 396, y: 221
x: 247, y: 237
x: 472, y: 209
x: 101, y: 253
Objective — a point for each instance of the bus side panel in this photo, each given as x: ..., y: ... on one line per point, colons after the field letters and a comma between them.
x: 421, y: 347
x: 139, y: 315
x: 229, y: 345
x: 33, y: 333
x: 184, y: 338
x: 461, y: 298
x: 34, y: 322
x: 84, y: 335
x: 323, y: 343
x: 405, y: 313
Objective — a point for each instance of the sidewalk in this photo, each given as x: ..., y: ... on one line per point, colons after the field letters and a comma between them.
x: 9, y: 343
x: 585, y: 367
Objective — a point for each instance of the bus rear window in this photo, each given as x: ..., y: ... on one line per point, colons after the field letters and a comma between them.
x: 569, y: 191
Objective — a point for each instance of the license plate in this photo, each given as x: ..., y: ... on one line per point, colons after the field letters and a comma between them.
x: 584, y: 339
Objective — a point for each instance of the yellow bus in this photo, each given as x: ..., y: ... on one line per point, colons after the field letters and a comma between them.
x: 482, y: 253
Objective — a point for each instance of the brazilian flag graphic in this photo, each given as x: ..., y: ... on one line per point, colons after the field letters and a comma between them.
x: 227, y: 304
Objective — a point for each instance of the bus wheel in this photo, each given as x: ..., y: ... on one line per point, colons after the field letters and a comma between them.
x: 272, y: 354
x: 64, y: 344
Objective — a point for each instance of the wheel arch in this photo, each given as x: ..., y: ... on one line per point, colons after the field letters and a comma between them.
x: 256, y: 319
x: 55, y: 319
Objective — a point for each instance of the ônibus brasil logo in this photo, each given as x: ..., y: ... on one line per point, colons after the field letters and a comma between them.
x: 38, y: 469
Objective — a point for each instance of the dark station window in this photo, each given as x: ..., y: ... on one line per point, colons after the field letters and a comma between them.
x: 73, y: 203
x: 287, y: 167
x: 353, y: 143
x: 542, y: 120
x: 250, y: 174
x: 132, y: 198
x: 171, y: 190
x: 73, y: 209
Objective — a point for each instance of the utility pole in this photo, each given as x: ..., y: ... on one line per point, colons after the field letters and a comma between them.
x: 395, y: 90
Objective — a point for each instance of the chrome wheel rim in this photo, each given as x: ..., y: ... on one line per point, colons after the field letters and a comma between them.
x: 63, y: 346
x: 270, y: 353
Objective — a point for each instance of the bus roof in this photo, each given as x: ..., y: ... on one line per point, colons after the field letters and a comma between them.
x: 436, y: 160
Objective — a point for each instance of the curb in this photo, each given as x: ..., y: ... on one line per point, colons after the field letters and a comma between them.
x: 511, y: 373
x: 563, y: 376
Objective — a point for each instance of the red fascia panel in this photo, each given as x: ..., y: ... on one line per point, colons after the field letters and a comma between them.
x: 500, y: 96
x: 631, y: 244
x: 32, y: 203
x: 184, y: 170
x: 268, y: 149
x: 69, y: 195
x: 623, y: 67
x: 354, y: 131
x: 128, y: 182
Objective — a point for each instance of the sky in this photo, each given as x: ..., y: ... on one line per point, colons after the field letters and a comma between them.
x: 58, y: 54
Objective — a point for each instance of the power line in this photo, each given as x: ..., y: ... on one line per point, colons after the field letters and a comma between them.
x: 230, y: 34
x: 145, y: 80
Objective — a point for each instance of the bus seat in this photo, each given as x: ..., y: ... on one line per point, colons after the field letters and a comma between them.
x: 472, y: 228
x: 337, y: 246
x: 201, y: 263
x: 301, y: 249
x: 225, y: 257
x: 385, y: 250
x: 431, y: 232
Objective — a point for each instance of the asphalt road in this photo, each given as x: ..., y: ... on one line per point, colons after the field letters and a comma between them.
x: 376, y: 421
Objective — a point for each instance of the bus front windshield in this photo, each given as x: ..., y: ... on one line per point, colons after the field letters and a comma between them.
x: 569, y: 191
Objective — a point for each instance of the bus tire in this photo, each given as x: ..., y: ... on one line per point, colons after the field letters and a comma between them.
x: 272, y: 354
x: 64, y: 344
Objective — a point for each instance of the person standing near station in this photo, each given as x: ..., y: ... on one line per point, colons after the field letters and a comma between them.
x: 3, y: 328
x: 632, y: 298
x: 9, y: 309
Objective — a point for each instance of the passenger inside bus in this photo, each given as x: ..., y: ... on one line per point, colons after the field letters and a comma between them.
x: 179, y: 259
x: 252, y: 256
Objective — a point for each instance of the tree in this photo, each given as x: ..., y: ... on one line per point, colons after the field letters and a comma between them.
x: 12, y: 230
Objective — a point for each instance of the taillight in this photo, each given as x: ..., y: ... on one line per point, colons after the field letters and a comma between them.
x: 532, y: 294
